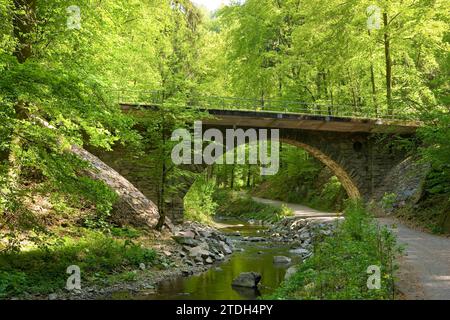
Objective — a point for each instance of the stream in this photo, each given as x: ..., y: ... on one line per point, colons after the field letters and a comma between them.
x: 215, y: 284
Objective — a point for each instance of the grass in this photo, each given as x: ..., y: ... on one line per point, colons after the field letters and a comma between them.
x: 338, y: 268
x: 42, y: 270
x: 329, y: 197
x: 234, y: 204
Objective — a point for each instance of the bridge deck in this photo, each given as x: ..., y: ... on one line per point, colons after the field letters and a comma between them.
x: 309, y: 122
x: 291, y: 120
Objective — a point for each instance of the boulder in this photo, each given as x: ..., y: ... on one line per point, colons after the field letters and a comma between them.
x: 52, y: 296
x: 199, y: 252
x: 281, y: 259
x: 205, y: 234
x: 290, y: 272
x: 247, y: 280
x: 305, y: 235
x: 299, y: 251
x: 220, y: 257
x: 167, y: 253
x: 198, y: 260
x: 226, y: 248
x: 186, y: 241
x: 209, y: 260
x: 186, y: 234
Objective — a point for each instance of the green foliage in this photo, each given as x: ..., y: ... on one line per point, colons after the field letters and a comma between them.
x: 315, y: 51
x: 338, y: 267
x: 432, y: 213
x: 322, y: 52
x: 234, y: 204
x: 388, y: 200
x: 68, y: 79
x: 126, y: 232
x: 300, y: 180
x: 43, y: 270
x: 199, y: 204
x: 331, y: 197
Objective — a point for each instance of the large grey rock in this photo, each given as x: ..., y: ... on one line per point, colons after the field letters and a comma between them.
x: 229, y: 242
x: 226, y: 248
x: 405, y: 181
x: 281, y: 259
x: 52, y: 296
x: 220, y: 257
x: 199, y: 252
x: 186, y: 234
x: 209, y: 260
x: 305, y: 235
x: 186, y: 241
x: 290, y: 272
x: 299, y: 251
x: 205, y: 234
x: 247, y: 280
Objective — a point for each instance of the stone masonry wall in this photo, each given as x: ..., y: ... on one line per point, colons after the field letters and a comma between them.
x: 365, y: 167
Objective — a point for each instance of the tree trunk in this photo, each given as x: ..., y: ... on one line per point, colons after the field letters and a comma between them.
x: 374, y: 88
x: 387, y: 52
x: 232, y: 178
x: 161, y: 205
x: 162, y: 194
x: 23, y: 25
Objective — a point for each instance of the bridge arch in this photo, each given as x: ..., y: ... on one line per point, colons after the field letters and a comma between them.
x: 345, y: 179
x: 350, y: 147
x: 338, y: 170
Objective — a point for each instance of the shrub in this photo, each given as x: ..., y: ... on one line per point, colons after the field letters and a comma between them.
x: 338, y: 267
x: 232, y: 204
x: 199, y: 203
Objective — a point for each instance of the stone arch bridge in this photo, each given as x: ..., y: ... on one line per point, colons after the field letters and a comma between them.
x: 355, y: 149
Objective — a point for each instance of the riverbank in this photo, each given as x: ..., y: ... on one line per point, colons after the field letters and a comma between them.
x: 112, y: 260
x: 339, y: 266
x: 154, y: 257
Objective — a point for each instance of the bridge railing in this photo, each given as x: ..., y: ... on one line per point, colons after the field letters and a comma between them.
x: 157, y: 98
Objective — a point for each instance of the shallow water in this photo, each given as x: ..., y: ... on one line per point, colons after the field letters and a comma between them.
x: 215, y: 284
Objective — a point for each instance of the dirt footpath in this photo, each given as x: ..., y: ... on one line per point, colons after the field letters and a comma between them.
x: 425, y: 270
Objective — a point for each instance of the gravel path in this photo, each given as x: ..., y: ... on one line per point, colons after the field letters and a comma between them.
x: 425, y: 270
x: 299, y: 210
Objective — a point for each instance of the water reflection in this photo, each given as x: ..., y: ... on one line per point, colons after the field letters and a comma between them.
x: 215, y: 284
